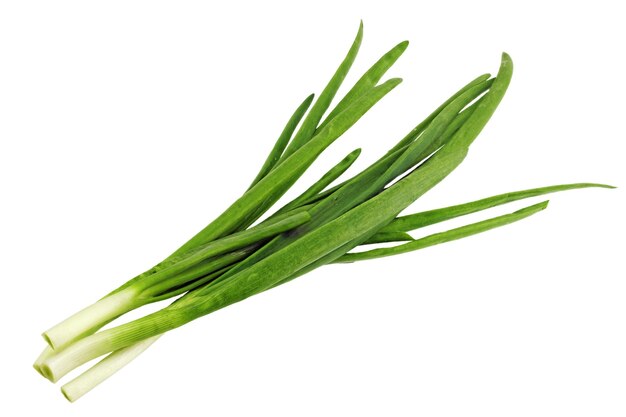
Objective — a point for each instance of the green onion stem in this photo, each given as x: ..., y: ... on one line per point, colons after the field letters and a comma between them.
x: 98, y: 373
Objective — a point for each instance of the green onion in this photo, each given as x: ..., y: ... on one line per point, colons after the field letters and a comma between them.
x: 231, y: 260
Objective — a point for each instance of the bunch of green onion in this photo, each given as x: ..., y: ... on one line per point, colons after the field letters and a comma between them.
x: 236, y: 256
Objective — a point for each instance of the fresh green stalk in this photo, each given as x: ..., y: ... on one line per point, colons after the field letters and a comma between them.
x: 228, y: 261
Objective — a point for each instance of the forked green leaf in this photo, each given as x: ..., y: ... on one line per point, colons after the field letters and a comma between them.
x: 368, y: 80
x: 309, y: 125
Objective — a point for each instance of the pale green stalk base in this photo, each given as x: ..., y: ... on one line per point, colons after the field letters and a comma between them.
x: 90, y: 319
x: 109, y: 340
x: 98, y: 373
x: 76, y: 354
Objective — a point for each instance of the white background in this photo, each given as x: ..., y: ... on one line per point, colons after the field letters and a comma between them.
x: 126, y: 126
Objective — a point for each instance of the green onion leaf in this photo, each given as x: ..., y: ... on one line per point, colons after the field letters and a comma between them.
x: 426, y: 218
x: 447, y: 236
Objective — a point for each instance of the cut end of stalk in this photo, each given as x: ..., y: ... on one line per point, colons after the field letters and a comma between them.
x: 47, y: 373
x: 45, y: 354
x: 67, y: 395
x: 38, y: 369
x: 48, y: 340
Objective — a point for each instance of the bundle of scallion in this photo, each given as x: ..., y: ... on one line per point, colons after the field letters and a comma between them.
x: 230, y: 260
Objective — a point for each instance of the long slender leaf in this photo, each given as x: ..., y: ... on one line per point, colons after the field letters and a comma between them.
x: 447, y: 236
x: 427, y: 218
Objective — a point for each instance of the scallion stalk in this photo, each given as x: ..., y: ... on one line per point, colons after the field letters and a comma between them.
x: 230, y: 260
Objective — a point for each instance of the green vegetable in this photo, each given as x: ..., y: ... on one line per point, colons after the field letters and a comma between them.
x: 229, y: 261
x: 270, y: 184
